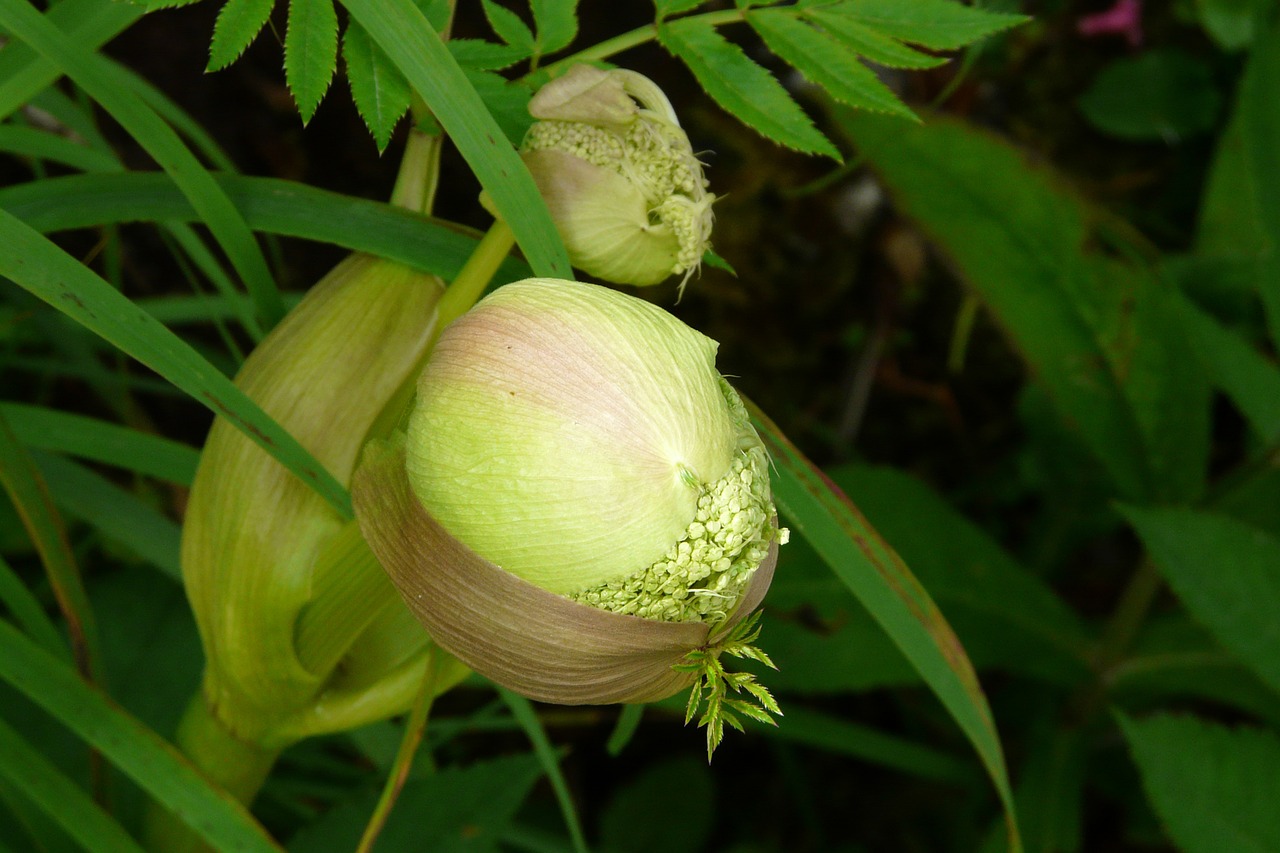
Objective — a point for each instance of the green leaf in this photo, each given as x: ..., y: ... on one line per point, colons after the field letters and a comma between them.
x: 128, y: 744
x: 117, y: 514
x: 886, y: 587
x: 29, y: 613
x: 936, y: 24
x: 556, y: 22
x: 1258, y: 112
x: 454, y: 810
x: 508, y: 26
x: 1226, y: 573
x: 484, y: 55
x: 102, y: 441
x: 1213, y: 787
x: 522, y: 709
x: 268, y: 204
x: 743, y: 88
x: 59, y: 797
x: 113, y: 90
x: 1247, y: 377
x: 666, y: 8
x: 1232, y: 24
x: 40, y: 267
x: 1158, y: 95
x: 43, y: 145
x: 1103, y: 336
x: 415, y: 47
x: 869, y: 42
x: 238, y: 24
x: 681, y: 790
x: 310, y: 52
x: 825, y: 62
x: 381, y: 93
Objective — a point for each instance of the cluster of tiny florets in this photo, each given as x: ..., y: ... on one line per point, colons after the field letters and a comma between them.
x: 702, y: 576
x: 655, y: 156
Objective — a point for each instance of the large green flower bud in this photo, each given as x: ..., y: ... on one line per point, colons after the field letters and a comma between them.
x: 265, y: 559
x: 579, y: 501
x: 619, y: 176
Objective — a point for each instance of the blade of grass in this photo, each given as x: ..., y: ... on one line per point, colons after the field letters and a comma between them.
x: 195, y: 249
x: 522, y: 709
x: 113, y: 512
x: 59, y: 797
x: 409, y: 40
x: 91, y: 23
x: 885, y: 586
x: 105, y: 83
x: 29, y: 613
x: 30, y: 496
x: 271, y: 205
x: 138, y: 751
x: 102, y: 441
x: 40, y: 267
x: 43, y: 145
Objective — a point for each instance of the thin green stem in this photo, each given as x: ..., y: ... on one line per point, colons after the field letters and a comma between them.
x: 476, y: 274
x: 961, y: 333
x: 414, y: 729
x: 419, y: 174
x: 619, y: 43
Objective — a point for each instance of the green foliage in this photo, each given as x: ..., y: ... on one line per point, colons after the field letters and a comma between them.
x: 1211, y: 786
x: 1157, y: 95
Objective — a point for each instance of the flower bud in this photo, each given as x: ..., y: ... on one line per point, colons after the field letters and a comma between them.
x: 619, y: 176
x: 579, y: 501
x: 254, y: 534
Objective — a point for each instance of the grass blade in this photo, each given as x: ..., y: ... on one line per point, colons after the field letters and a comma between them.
x: 52, y: 275
x: 409, y: 40
x: 128, y: 744
x: 522, y: 709
x: 105, y: 83
x: 891, y: 594
x: 29, y: 612
x: 59, y: 797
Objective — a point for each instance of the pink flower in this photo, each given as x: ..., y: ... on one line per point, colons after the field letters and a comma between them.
x: 1124, y: 18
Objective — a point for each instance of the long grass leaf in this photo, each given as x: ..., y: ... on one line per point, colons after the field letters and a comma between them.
x: 409, y: 40
x: 271, y: 205
x: 102, y: 441
x: 128, y: 744
x: 27, y: 611
x: 891, y: 594
x: 113, y: 512
x: 91, y: 23
x: 60, y: 798
x: 42, y: 145
x: 40, y: 267
x: 31, y: 498
x: 522, y: 709
x: 105, y: 83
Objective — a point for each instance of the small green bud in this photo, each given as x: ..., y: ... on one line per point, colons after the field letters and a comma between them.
x: 619, y: 176
x: 579, y: 500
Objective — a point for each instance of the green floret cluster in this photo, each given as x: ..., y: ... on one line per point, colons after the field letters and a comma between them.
x: 703, y: 575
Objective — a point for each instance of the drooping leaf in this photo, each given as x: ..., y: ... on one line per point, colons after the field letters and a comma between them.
x: 381, y: 93
x: 743, y: 88
x: 1103, y: 336
x: 825, y: 62
x: 310, y: 52
x: 556, y: 22
x: 1226, y: 573
x: 890, y: 592
x: 1213, y: 787
x: 936, y: 24
x: 238, y: 24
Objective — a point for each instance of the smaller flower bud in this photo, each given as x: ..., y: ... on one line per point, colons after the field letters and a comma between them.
x: 619, y: 176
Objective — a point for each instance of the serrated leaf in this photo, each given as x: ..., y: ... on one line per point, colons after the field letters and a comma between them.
x: 936, y: 24
x: 507, y: 101
x: 666, y: 8
x: 238, y: 24
x: 1213, y: 787
x: 742, y: 87
x: 871, y: 43
x: 484, y: 55
x: 310, y: 52
x: 508, y: 26
x: 556, y: 22
x: 825, y: 62
x: 381, y: 93
x: 1226, y: 573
